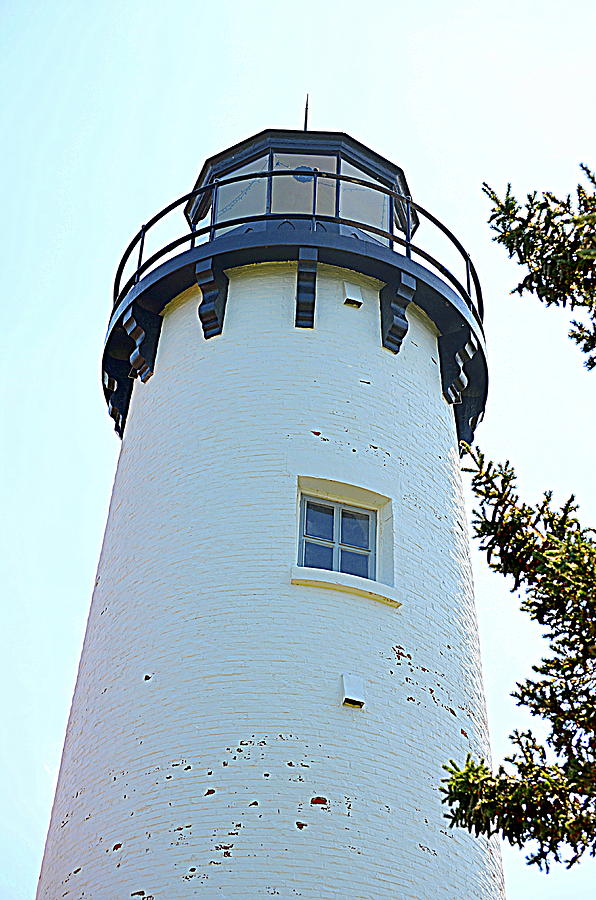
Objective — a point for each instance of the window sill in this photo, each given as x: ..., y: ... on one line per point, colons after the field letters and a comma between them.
x: 350, y: 584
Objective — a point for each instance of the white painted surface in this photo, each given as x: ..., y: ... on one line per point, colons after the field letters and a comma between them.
x: 341, y: 581
x: 208, y: 711
x: 353, y: 690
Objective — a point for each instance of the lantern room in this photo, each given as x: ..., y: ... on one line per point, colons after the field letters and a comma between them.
x: 303, y: 179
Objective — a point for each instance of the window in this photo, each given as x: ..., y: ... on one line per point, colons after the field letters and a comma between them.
x: 337, y: 537
x: 362, y: 204
x: 294, y: 193
x: 243, y: 198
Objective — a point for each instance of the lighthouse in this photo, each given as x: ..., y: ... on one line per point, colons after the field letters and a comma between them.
x: 282, y: 648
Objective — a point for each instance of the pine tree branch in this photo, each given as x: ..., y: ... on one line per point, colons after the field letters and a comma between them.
x: 547, y: 793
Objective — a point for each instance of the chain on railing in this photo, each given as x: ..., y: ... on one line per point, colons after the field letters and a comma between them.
x: 213, y: 226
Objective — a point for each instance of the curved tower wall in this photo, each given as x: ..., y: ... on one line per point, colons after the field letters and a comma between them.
x: 208, y: 751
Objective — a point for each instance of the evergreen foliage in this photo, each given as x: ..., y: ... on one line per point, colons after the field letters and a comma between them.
x: 546, y: 792
x: 556, y: 241
x: 544, y: 795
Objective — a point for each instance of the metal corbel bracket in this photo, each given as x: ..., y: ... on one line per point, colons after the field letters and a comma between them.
x: 118, y: 389
x: 456, y: 349
x: 306, y: 287
x: 394, y: 301
x: 213, y: 283
x: 144, y: 327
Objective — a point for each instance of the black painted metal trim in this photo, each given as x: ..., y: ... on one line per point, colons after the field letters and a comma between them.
x: 394, y: 301
x: 312, y: 220
x: 461, y: 343
x: 117, y: 385
x: 144, y: 327
x: 306, y: 286
x: 213, y: 283
x: 457, y: 349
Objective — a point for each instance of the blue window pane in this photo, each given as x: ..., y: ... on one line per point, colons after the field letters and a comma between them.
x: 354, y: 529
x: 319, y: 521
x: 354, y: 563
x: 317, y: 556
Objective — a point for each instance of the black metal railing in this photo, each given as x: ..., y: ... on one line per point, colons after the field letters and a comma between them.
x: 401, y: 208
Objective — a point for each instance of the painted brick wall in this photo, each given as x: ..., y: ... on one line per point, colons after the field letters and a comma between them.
x: 208, y: 753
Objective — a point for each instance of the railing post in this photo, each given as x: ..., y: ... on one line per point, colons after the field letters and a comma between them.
x: 269, y: 183
x: 468, y: 280
x: 193, y: 228
x: 141, y: 246
x: 391, y: 217
x: 314, y: 201
x: 408, y: 227
x: 213, y: 210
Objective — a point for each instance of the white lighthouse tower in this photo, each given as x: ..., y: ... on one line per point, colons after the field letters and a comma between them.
x: 282, y: 647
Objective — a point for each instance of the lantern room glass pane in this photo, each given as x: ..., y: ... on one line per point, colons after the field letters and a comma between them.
x: 294, y: 193
x: 245, y: 198
x: 363, y: 204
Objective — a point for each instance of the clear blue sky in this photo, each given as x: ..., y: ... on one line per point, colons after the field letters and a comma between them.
x: 108, y: 110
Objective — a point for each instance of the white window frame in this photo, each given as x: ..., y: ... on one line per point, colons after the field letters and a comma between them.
x: 336, y: 543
